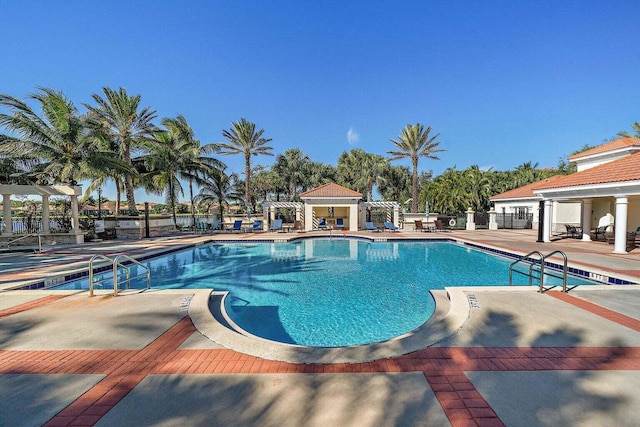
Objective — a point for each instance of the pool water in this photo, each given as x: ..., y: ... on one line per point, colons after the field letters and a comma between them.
x: 328, y: 292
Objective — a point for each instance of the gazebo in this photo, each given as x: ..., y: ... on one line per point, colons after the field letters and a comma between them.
x: 45, y: 191
x: 331, y: 201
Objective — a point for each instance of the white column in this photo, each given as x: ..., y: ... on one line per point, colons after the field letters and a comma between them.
x: 308, y: 217
x: 396, y: 216
x: 493, y: 224
x: 471, y: 225
x: 6, y: 211
x: 546, y: 226
x: 620, y: 245
x: 353, y: 217
x: 586, y: 220
x: 45, y: 215
x: 75, y: 220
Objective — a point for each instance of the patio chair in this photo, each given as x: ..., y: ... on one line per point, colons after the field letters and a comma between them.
x: 388, y: 225
x: 340, y: 223
x: 237, y: 225
x: 370, y: 227
x: 257, y: 226
x: 600, y: 231
x: 322, y: 223
x: 440, y: 226
x: 297, y: 225
x: 419, y: 226
x: 200, y: 226
x: 277, y: 225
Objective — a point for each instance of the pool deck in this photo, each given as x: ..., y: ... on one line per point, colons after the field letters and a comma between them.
x: 505, y: 356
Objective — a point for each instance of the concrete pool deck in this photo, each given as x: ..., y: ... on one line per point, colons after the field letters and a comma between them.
x: 519, y: 358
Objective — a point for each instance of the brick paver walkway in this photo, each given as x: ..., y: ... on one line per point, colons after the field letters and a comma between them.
x: 443, y: 368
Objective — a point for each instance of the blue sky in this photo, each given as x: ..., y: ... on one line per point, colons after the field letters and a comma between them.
x: 503, y: 82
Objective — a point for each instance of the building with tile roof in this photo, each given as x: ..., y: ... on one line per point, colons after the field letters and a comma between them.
x: 607, y: 186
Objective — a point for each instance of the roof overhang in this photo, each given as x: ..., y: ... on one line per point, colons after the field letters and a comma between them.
x: 609, y: 189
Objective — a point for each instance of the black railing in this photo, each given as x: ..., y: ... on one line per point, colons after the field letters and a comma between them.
x: 514, y: 221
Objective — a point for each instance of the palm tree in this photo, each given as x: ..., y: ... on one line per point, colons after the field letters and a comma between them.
x: 54, y: 145
x: 127, y: 126
x: 197, y: 165
x: 636, y: 128
x: 160, y: 169
x: 219, y: 189
x: 244, y: 139
x: 361, y: 171
x: 415, y: 142
x: 292, y: 166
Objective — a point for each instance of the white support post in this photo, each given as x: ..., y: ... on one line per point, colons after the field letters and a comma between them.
x: 75, y: 220
x: 7, y: 230
x: 546, y: 227
x: 620, y: 245
x: 471, y: 225
x: 493, y: 224
x: 586, y: 220
x: 396, y: 216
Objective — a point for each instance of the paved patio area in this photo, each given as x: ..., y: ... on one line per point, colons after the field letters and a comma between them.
x: 518, y: 358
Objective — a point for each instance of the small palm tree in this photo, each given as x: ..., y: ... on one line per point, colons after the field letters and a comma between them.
x: 196, y: 165
x: 243, y: 139
x: 414, y: 142
x: 127, y: 126
x: 292, y: 165
x: 219, y: 189
x: 361, y: 171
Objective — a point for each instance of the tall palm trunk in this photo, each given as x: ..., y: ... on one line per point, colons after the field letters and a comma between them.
x: 247, y: 173
x: 414, y: 185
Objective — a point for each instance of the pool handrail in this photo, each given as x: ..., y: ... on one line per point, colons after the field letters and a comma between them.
x: 532, y: 262
x: 93, y: 258
x: 117, y: 263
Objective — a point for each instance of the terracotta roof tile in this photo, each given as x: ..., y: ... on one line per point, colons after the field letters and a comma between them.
x: 526, y: 191
x: 330, y: 190
x: 616, y: 144
x: 621, y: 170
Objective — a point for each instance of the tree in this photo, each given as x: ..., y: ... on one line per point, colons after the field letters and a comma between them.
x: 196, y: 164
x: 244, y: 139
x: 53, y: 146
x: 415, y: 142
x: 292, y: 166
x: 219, y: 189
x: 361, y: 171
x: 397, y: 185
x: 636, y: 128
x: 127, y: 126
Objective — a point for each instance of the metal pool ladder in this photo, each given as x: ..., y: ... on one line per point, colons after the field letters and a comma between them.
x: 117, y: 264
x: 541, y: 262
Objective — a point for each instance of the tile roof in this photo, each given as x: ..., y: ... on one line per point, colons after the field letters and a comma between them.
x: 614, y: 145
x: 526, y: 191
x: 621, y: 170
x: 331, y: 189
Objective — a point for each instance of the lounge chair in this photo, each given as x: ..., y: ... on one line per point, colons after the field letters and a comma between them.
x: 388, y: 225
x: 277, y: 225
x: 297, y: 225
x: 419, y: 226
x: 201, y: 227
x: 369, y: 226
x: 257, y: 225
x: 340, y: 223
x: 237, y: 225
x: 322, y: 224
x: 440, y: 226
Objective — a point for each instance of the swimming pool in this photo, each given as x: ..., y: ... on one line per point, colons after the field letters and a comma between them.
x: 328, y: 292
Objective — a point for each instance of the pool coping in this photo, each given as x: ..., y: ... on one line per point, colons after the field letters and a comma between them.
x: 452, y: 310
x: 588, y: 272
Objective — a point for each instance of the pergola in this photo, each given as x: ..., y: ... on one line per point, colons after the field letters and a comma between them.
x: 392, y: 208
x: 269, y: 210
x: 45, y: 191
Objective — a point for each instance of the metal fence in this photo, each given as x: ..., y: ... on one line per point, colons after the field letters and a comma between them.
x: 514, y: 221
